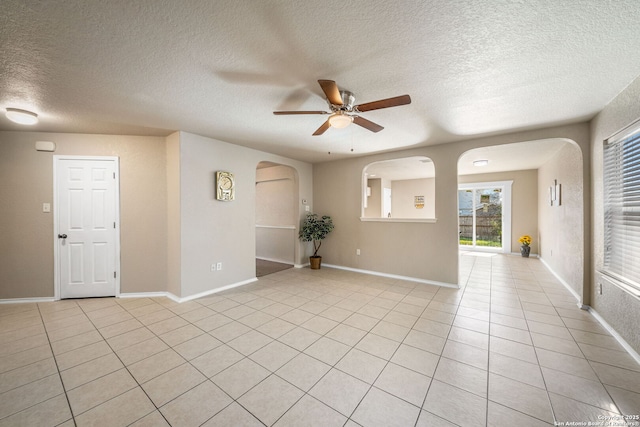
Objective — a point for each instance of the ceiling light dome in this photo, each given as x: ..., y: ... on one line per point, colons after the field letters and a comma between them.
x: 340, y: 120
x: 480, y: 163
x: 22, y: 117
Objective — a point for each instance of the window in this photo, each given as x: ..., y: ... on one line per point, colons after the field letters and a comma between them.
x: 622, y: 208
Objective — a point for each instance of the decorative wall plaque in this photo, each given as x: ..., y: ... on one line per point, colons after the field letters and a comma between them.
x: 225, y: 186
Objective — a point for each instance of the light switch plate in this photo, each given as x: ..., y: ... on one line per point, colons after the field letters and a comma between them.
x: 46, y: 207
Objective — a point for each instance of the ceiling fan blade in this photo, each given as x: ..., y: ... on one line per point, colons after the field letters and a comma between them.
x: 282, y: 113
x: 322, y: 129
x: 367, y: 124
x: 384, y: 103
x: 330, y: 89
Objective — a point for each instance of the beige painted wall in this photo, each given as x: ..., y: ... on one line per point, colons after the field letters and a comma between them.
x: 374, y: 201
x: 172, y: 229
x: 559, y: 225
x: 524, y: 202
x: 26, y: 181
x: 618, y: 308
x: 213, y: 231
x: 420, y: 250
x: 403, y: 194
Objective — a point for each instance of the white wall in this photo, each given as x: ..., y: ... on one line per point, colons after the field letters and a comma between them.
x: 276, y: 213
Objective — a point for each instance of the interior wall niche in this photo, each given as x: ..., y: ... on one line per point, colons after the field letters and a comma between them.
x: 399, y: 189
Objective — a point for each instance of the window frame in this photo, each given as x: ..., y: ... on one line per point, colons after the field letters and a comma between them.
x: 618, y: 202
x: 507, y: 222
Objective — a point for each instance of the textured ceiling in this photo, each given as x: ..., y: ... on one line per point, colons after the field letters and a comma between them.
x: 219, y: 68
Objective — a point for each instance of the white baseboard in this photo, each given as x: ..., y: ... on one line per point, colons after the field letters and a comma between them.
x: 141, y: 294
x: 26, y: 300
x: 149, y: 295
x: 595, y: 314
x: 577, y: 296
x: 394, y: 276
x: 187, y: 298
x: 215, y: 291
x: 615, y: 334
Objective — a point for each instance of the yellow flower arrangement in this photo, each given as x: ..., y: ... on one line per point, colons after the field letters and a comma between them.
x: 525, y: 240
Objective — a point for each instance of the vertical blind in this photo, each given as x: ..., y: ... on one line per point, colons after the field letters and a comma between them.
x: 622, y: 206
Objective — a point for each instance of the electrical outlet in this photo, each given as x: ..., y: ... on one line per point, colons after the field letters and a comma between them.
x: 213, y: 267
x: 219, y: 266
x: 357, y: 251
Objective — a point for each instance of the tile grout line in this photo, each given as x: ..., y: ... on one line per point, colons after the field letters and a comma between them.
x: 537, y: 362
x: 124, y: 366
x: 64, y: 387
x: 334, y: 365
x: 286, y: 287
x: 588, y: 361
x: 348, y: 417
x: 489, y: 343
x: 207, y: 379
x: 424, y: 401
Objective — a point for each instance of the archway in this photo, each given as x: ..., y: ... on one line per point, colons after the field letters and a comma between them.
x: 276, y: 217
x: 547, y: 199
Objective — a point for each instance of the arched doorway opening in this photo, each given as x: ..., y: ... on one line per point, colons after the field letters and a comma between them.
x: 276, y: 217
x: 547, y: 200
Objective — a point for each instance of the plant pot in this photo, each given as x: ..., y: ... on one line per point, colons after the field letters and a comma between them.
x: 525, y: 250
x: 315, y: 262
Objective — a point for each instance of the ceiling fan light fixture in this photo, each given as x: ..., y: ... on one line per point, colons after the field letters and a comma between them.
x: 480, y: 163
x: 22, y: 117
x: 340, y: 120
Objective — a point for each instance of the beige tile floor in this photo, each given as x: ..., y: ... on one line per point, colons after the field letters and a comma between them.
x: 320, y: 348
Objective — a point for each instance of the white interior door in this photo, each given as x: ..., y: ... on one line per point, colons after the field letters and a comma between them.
x: 86, y: 207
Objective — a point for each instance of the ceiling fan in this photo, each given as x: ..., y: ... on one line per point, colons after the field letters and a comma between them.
x: 343, y: 112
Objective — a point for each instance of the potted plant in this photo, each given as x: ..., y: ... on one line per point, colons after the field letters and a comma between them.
x: 525, y: 249
x: 315, y: 229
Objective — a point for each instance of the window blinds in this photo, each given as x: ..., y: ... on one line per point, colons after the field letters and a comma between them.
x: 622, y: 206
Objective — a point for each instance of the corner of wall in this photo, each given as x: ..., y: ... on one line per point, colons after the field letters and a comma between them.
x: 174, y: 256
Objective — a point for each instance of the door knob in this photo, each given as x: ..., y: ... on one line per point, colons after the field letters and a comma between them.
x: 62, y: 236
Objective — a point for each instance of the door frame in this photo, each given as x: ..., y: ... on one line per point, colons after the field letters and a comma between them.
x: 506, y: 213
x: 56, y: 254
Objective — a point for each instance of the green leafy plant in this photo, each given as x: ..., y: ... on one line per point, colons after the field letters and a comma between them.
x: 315, y: 229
